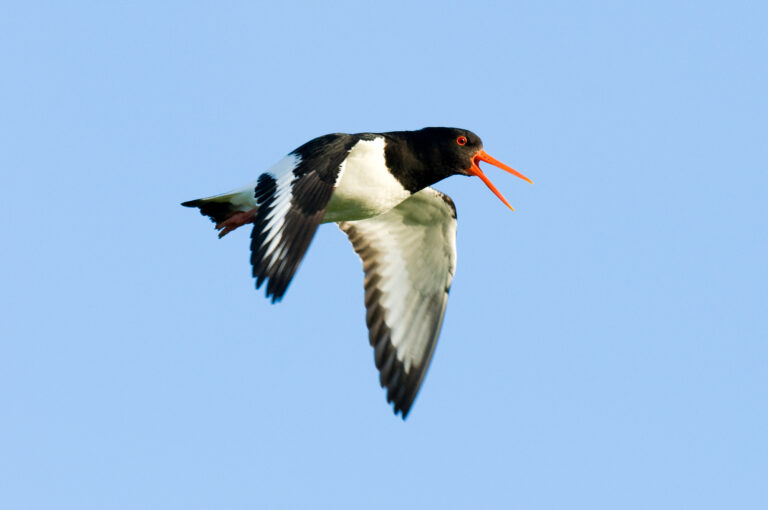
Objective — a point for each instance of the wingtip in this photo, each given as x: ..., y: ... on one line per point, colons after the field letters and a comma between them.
x: 404, y: 410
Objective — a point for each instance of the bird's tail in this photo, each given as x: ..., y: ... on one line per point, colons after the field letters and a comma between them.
x: 228, y: 210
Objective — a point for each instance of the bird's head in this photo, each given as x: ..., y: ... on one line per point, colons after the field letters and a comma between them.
x: 460, y: 151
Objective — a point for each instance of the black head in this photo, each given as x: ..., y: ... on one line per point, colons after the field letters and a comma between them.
x: 439, y: 152
x: 449, y: 149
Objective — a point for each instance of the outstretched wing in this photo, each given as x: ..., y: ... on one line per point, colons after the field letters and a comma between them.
x: 291, y: 203
x: 409, y: 257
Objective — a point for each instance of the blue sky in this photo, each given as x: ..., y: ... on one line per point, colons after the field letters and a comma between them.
x: 604, y: 345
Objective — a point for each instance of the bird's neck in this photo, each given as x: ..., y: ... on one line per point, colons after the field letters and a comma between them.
x: 409, y: 163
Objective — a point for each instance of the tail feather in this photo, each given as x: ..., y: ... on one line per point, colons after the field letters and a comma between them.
x: 229, y: 210
x: 217, y: 211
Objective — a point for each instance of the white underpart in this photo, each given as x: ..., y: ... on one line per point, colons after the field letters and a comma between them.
x: 414, y: 246
x: 364, y: 187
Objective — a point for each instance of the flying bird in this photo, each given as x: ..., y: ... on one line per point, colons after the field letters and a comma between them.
x: 376, y: 187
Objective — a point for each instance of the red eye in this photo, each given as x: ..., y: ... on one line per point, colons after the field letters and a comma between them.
x: 462, y: 140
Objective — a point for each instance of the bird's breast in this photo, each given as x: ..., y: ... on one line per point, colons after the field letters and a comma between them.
x: 364, y: 187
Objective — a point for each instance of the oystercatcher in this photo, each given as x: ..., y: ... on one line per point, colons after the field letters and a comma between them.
x: 376, y: 187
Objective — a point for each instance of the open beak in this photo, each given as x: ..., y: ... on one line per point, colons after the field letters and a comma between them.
x: 481, y: 155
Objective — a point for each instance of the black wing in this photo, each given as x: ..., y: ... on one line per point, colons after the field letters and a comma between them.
x: 291, y: 204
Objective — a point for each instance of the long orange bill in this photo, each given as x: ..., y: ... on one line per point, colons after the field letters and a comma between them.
x: 481, y: 155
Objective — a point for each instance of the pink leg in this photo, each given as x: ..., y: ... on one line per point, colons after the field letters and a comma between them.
x: 237, y: 219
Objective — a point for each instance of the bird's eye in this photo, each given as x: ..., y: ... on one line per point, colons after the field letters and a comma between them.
x: 462, y: 140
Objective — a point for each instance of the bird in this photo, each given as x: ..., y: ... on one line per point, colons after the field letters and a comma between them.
x: 377, y: 188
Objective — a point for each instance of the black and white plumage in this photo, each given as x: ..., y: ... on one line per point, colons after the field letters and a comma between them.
x: 409, y: 257
x: 376, y: 187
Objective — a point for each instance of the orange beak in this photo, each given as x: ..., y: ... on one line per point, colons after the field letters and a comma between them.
x: 481, y: 155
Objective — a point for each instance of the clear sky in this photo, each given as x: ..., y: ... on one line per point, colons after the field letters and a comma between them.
x: 605, y: 346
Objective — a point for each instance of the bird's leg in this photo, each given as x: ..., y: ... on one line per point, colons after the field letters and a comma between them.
x: 237, y: 219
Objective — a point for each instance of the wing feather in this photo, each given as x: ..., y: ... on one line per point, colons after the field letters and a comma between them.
x: 409, y: 258
x: 291, y: 204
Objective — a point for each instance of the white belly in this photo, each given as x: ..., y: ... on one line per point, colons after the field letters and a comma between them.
x: 364, y: 188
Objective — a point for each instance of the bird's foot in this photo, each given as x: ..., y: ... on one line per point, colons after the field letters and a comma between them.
x: 236, y: 220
